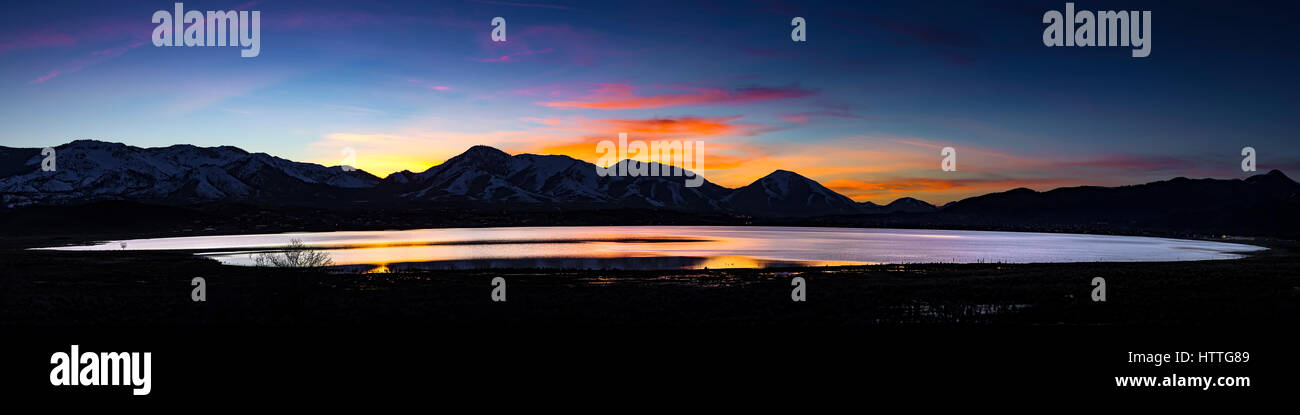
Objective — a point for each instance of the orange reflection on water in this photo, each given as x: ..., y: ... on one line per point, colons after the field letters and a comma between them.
x: 731, y: 261
x: 714, y: 251
x: 736, y: 261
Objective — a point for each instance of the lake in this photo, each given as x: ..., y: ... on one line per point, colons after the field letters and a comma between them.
x: 685, y: 247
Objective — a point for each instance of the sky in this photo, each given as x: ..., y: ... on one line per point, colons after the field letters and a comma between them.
x: 863, y: 106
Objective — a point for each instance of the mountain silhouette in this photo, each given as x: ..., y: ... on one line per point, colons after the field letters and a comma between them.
x: 90, y: 171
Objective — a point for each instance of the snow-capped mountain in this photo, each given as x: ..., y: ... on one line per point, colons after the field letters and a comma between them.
x: 786, y: 193
x: 486, y: 174
x: 94, y: 170
x: 90, y: 170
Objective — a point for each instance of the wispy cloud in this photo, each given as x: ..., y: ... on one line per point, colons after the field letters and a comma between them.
x: 1132, y: 162
x: 352, y: 109
x: 620, y: 96
x: 201, y: 95
x: 515, y: 56
x: 94, y: 58
x: 550, y: 44
x: 674, y: 127
x: 962, y: 146
x: 803, y: 117
x: 428, y: 84
x: 37, y: 40
x: 138, y: 31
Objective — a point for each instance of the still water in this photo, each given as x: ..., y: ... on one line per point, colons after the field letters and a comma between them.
x: 684, y: 247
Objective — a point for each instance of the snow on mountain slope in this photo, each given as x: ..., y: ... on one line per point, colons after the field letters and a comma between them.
x: 89, y: 170
x: 786, y: 193
x: 487, y: 174
x: 92, y: 170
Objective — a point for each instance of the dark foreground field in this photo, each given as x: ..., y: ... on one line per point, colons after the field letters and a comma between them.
x: 39, y: 288
x: 625, y: 335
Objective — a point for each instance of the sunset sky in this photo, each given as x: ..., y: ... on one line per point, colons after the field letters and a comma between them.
x: 864, y: 106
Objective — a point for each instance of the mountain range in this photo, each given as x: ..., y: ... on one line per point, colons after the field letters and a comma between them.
x: 89, y: 170
x: 94, y: 170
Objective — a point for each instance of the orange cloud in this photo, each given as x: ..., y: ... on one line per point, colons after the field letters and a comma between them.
x: 715, y: 157
x: 932, y: 190
x: 668, y: 127
x: 859, y: 188
x: 418, y: 148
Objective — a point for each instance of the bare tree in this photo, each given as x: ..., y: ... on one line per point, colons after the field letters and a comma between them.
x: 295, y: 255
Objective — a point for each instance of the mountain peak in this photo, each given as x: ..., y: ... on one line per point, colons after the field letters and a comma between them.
x: 909, y: 204
x: 482, y: 150
x: 907, y: 200
x: 786, y: 193
x: 1277, y: 173
x: 1273, y: 176
x: 784, y: 175
x: 480, y: 156
x: 93, y: 143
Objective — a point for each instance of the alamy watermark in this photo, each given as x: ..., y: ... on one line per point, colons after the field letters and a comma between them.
x: 1103, y: 28
x: 218, y: 28
x: 799, y: 293
x: 498, y: 29
x: 665, y: 158
x: 498, y: 290
x: 49, y: 162
x: 949, y: 160
x: 349, y: 163
x: 200, y: 292
x: 102, y: 369
x: 1099, y: 290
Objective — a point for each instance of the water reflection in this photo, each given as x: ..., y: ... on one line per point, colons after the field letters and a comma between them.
x: 621, y: 263
x: 685, y: 247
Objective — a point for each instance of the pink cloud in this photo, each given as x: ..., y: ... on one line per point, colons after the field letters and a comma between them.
x: 137, y: 31
x: 428, y: 84
x: 511, y: 57
x: 561, y: 42
x: 795, y: 118
x: 38, y: 40
x: 803, y: 117
x: 73, y: 33
x: 95, y: 57
x: 1128, y: 162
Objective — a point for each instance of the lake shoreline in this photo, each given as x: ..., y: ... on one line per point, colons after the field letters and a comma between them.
x: 677, y: 247
x: 46, y: 288
x: 102, y: 221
